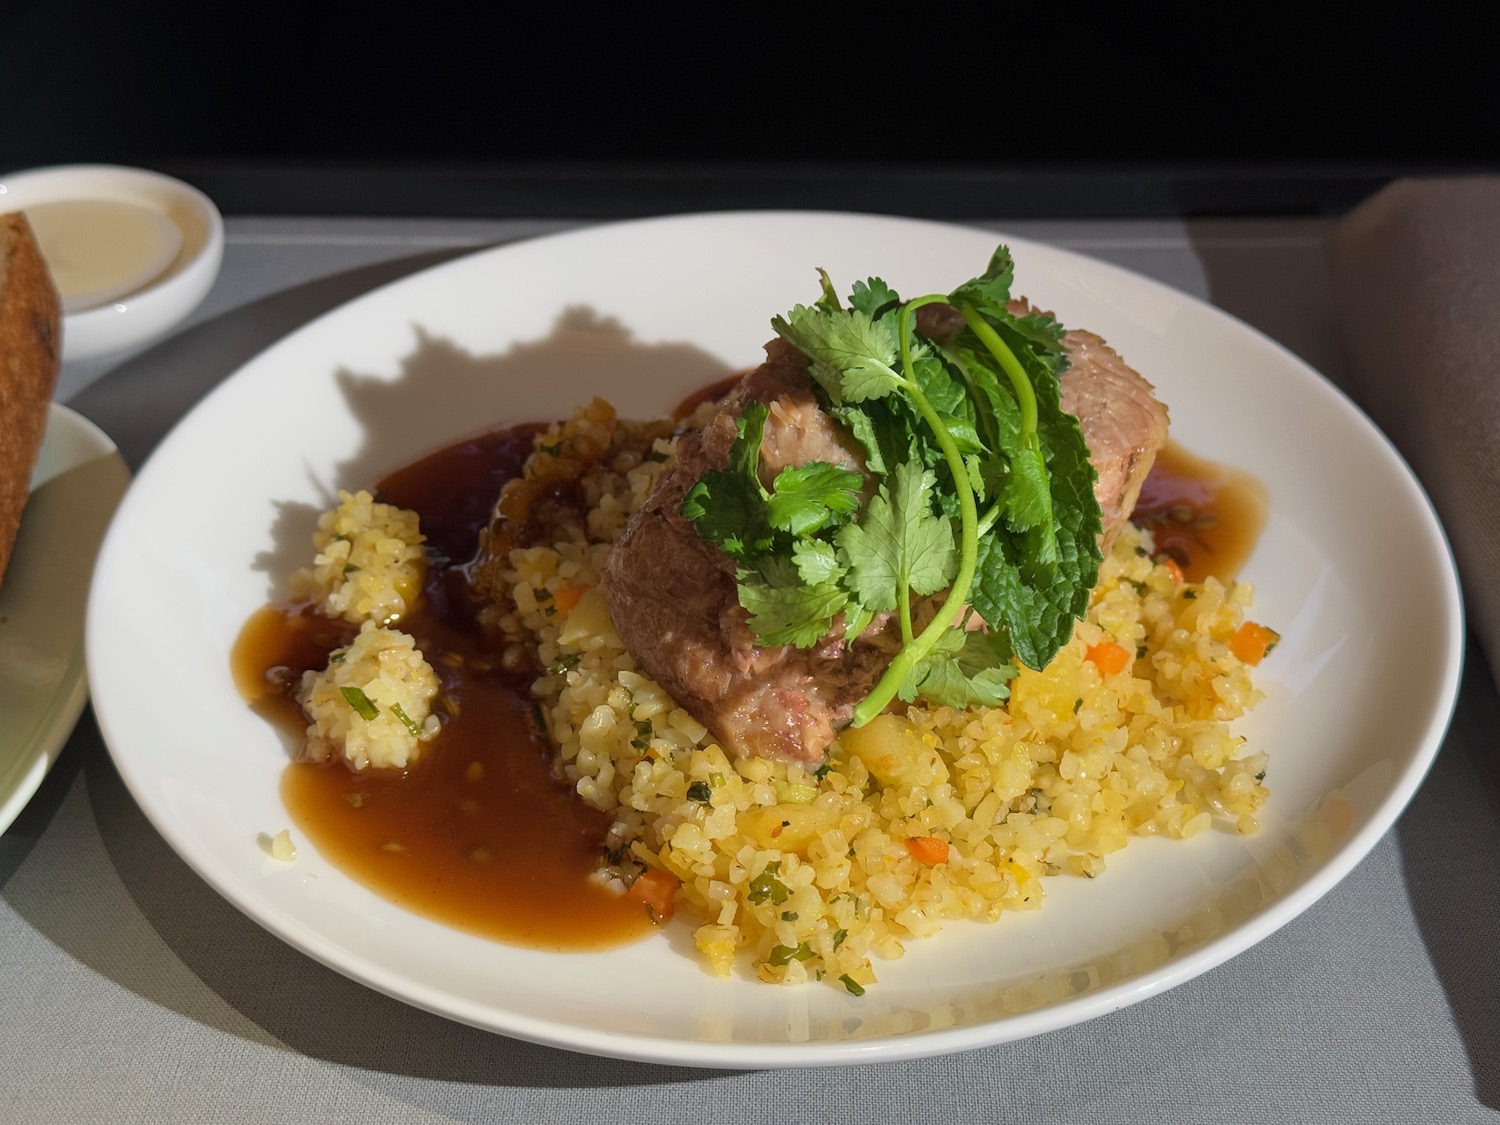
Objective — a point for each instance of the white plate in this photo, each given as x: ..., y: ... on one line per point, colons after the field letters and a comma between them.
x: 1352, y: 568
x: 79, y: 478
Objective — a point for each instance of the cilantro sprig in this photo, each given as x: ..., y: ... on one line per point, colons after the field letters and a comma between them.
x: 983, y: 502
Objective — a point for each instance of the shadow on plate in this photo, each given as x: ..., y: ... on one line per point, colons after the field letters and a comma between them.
x: 441, y: 395
x: 444, y: 394
x: 143, y: 398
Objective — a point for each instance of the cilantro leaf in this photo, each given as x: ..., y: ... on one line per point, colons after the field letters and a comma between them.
x: 887, y: 430
x: 971, y: 417
x: 964, y: 669
x: 728, y: 507
x: 730, y: 513
x: 829, y: 301
x: 899, y: 543
x: 766, y: 887
x: 816, y: 561
x: 807, y: 498
x: 852, y: 355
x: 785, y: 610
x: 857, y: 619
x: 874, y: 298
x: 991, y: 289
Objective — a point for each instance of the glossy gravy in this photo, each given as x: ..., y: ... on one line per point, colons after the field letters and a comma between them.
x: 479, y: 834
x: 1205, y: 516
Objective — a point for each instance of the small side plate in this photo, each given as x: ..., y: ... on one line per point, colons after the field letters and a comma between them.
x: 78, y: 481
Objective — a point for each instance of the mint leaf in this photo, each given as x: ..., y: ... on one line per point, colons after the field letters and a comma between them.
x: 947, y: 394
x: 1028, y: 498
x: 1035, y: 595
x: 1000, y: 417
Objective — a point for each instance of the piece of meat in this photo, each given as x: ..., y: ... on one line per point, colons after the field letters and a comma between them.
x: 1122, y: 421
x: 673, y: 601
x: 672, y: 596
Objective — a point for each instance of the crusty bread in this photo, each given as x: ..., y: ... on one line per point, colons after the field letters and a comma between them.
x: 30, y: 355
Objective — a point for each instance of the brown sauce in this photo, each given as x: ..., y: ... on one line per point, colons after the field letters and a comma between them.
x: 479, y: 833
x: 1205, y: 516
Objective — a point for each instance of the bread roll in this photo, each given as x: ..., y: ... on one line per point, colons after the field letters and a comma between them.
x: 30, y: 355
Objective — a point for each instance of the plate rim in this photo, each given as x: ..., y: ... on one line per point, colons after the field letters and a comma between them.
x: 673, y: 1051
x: 34, y: 760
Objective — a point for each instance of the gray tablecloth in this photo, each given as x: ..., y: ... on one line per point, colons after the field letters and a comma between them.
x: 129, y: 991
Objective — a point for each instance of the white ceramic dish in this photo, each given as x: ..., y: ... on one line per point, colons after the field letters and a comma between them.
x: 136, y: 318
x: 78, y: 480
x: 1359, y: 692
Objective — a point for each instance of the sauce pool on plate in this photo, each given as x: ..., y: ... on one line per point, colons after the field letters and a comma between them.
x: 1203, y: 515
x: 479, y: 833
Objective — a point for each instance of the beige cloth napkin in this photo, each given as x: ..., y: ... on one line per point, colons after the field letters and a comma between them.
x: 1416, y: 282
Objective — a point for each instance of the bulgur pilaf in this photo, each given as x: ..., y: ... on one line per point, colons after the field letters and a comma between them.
x: 923, y: 815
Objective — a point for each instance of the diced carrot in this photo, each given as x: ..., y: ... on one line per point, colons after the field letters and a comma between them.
x: 654, y: 890
x: 1108, y: 657
x: 1253, y: 642
x: 567, y: 597
x: 928, y: 849
x: 1172, y: 568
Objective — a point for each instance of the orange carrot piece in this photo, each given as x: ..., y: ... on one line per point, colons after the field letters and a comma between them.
x: 1173, y: 569
x: 1252, y: 642
x: 928, y: 849
x: 654, y: 890
x: 567, y: 597
x: 1108, y: 657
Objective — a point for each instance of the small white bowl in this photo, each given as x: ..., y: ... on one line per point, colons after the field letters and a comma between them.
x: 162, y: 304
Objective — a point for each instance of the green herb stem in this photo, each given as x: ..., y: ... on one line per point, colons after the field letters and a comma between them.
x: 986, y: 421
x: 914, y: 651
x: 1025, y: 392
x: 987, y: 521
x: 362, y: 704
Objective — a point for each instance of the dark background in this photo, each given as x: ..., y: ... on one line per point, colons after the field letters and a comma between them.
x: 1133, y: 109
